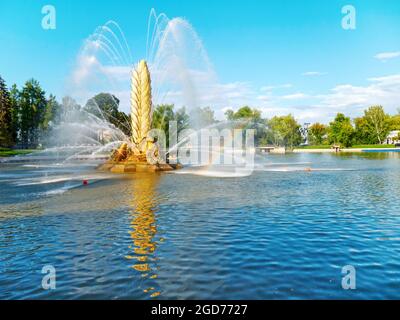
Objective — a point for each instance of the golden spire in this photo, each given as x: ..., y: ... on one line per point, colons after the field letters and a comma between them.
x: 140, y: 104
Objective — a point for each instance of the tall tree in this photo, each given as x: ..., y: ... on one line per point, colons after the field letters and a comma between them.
x: 105, y: 106
x: 182, y: 118
x: 362, y: 133
x: 163, y: 114
x: 249, y: 118
x: 202, y: 117
x: 395, y: 122
x: 285, y: 131
x: 52, y: 113
x: 16, y: 115
x: 244, y: 113
x: 378, y: 122
x: 341, y: 130
x: 7, y: 135
x: 317, y: 132
x: 32, y: 110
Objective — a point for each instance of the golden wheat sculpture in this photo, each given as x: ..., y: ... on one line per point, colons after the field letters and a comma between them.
x: 140, y: 105
x: 144, y: 153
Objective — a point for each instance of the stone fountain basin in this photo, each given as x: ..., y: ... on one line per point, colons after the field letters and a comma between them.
x: 131, y: 167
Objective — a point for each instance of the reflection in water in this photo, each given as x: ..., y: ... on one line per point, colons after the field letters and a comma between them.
x: 144, y: 228
x: 220, y: 245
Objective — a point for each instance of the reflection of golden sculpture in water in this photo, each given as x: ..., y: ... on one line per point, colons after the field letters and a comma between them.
x: 144, y: 227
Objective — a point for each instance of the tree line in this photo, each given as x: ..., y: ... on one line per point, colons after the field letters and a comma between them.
x: 27, y: 116
x: 24, y: 114
x: 372, y: 127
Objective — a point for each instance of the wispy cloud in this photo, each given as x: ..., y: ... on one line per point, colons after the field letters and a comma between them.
x: 200, y: 88
x: 274, y: 87
x: 294, y: 96
x: 350, y: 98
x: 384, y: 56
x: 313, y: 74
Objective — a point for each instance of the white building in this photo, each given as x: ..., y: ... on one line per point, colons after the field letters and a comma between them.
x: 393, y: 137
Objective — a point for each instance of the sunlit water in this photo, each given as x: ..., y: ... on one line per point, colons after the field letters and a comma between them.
x: 281, y: 233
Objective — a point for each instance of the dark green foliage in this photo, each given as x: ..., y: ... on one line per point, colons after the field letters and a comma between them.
x: 248, y: 118
x: 285, y: 131
x: 32, y: 108
x: 341, y: 131
x: 105, y: 106
x: 7, y: 130
x: 317, y: 133
x: 163, y: 114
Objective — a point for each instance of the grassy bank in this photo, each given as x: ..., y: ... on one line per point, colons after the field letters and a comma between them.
x: 364, y: 146
x: 322, y: 146
x: 4, y: 152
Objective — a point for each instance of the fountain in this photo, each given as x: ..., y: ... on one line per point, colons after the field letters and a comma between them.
x: 142, y: 152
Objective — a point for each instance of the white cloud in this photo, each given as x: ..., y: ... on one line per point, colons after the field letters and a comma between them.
x: 264, y: 97
x: 313, y: 74
x: 384, y: 56
x: 120, y: 73
x: 352, y: 99
x: 294, y: 96
x: 347, y: 98
x: 201, y: 88
x: 279, y: 86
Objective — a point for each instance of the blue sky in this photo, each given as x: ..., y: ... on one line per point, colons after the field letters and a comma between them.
x: 280, y: 56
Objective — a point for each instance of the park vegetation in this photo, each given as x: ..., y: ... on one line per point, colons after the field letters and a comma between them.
x: 27, y: 115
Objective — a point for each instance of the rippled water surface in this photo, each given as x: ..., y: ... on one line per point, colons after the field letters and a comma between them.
x: 284, y: 232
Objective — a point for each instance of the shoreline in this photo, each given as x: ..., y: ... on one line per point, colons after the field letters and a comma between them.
x: 346, y: 150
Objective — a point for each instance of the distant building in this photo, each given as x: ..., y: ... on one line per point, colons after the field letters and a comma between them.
x: 393, y: 137
x: 271, y: 149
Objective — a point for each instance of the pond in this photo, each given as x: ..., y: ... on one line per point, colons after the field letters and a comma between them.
x: 284, y: 232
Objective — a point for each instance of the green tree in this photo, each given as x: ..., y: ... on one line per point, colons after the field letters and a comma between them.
x: 249, y: 118
x: 317, y: 132
x: 229, y: 114
x: 362, y: 132
x: 163, y: 114
x: 105, y: 106
x: 52, y: 113
x: 341, y: 130
x: 7, y: 135
x: 202, y: 117
x: 395, y: 122
x: 378, y: 123
x: 244, y: 113
x: 32, y: 108
x: 15, y: 112
x: 182, y: 118
x: 285, y: 131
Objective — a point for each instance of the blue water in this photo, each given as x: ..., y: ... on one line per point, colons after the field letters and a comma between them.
x: 382, y: 150
x: 282, y: 233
